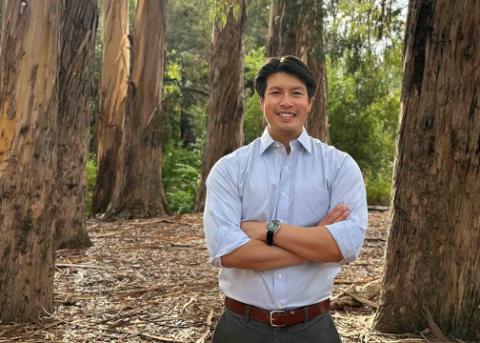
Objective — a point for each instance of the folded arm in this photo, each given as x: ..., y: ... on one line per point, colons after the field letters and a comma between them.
x: 228, y: 245
x: 339, y: 236
x: 314, y: 244
x: 291, y: 247
x: 256, y: 255
x: 335, y: 239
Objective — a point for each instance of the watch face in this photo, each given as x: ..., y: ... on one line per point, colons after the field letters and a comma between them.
x: 273, y: 226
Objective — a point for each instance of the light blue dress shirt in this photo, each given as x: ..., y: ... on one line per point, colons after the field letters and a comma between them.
x: 261, y: 182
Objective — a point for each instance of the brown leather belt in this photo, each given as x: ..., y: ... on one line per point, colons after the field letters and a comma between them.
x: 278, y: 318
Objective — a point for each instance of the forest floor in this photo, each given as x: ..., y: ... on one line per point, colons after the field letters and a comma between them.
x: 149, y: 281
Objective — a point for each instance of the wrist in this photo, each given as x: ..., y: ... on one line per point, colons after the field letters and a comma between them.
x: 272, y: 228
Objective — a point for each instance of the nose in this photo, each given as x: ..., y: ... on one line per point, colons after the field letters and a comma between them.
x: 286, y: 101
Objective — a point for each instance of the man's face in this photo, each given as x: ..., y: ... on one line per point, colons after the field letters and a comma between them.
x: 286, y: 106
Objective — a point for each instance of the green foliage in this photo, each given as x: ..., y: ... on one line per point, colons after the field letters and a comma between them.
x: 358, y: 28
x: 256, y: 26
x: 186, y: 81
x: 364, y: 85
x: 363, y: 112
x: 379, y: 188
x: 91, y: 176
x: 253, y: 116
x: 132, y: 11
x: 219, y: 9
x: 181, y: 169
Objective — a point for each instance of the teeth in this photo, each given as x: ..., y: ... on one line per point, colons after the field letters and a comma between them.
x: 286, y: 115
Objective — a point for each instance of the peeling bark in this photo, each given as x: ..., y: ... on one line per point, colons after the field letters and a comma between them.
x: 139, y: 191
x: 113, y: 93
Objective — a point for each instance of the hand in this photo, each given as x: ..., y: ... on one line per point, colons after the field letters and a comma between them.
x: 337, y: 214
x: 255, y: 230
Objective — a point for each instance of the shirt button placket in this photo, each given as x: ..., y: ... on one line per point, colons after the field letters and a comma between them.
x: 282, y: 216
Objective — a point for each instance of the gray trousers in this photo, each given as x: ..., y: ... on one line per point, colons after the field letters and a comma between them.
x: 233, y: 328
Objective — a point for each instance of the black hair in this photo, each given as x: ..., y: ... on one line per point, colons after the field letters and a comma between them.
x: 287, y: 64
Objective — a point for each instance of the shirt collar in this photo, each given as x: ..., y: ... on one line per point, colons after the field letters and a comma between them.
x: 305, y: 140
x: 266, y: 141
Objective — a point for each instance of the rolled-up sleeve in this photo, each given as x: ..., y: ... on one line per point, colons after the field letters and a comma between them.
x: 223, y: 209
x: 348, y: 188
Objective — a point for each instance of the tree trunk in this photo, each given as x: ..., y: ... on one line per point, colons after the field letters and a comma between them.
x: 28, y: 131
x: 314, y: 57
x: 79, y: 23
x: 285, y: 30
x: 433, y: 254
x: 139, y: 191
x: 113, y: 92
x: 276, y: 11
x: 296, y: 28
x: 1, y: 19
x: 225, y: 103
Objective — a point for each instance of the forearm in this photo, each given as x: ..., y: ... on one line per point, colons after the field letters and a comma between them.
x: 312, y: 244
x: 256, y: 255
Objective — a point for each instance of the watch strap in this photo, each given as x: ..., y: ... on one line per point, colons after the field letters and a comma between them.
x: 272, y: 228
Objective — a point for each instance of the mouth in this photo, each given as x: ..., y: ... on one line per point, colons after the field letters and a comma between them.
x: 286, y: 115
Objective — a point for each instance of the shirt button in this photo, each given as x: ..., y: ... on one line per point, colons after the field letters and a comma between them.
x: 284, y: 194
x: 286, y: 168
x: 280, y: 220
x: 280, y: 276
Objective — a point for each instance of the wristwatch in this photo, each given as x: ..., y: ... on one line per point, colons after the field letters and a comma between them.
x: 272, y: 228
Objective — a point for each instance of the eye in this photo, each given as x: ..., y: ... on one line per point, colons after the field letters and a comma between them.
x: 275, y: 92
x: 297, y: 93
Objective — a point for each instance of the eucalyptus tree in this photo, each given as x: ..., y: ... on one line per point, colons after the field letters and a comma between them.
x: 78, y: 28
x: 225, y: 103
x: 28, y: 152
x: 138, y: 190
x: 113, y: 92
x: 433, y: 253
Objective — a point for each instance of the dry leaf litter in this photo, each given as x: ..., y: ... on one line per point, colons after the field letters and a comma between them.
x: 149, y: 281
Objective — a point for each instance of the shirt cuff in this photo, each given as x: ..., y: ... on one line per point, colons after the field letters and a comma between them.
x: 228, y: 242
x: 341, y: 233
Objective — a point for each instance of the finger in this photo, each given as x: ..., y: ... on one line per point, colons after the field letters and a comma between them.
x: 338, y: 212
x: 340, y: 208
x: 343, y: 216
x: 334, y: 213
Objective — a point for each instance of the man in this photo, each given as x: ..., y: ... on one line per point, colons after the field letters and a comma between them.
x: 282, y: 215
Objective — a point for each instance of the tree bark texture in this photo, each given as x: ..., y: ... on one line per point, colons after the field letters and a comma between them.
x: 296, y: 28
x: 28, y: 130
x: 314, y: 57
x: 113, y: 93
x: 139, y: 191
x: 78, y: 28
x: 225, y: 103
x: 433, y: 254
x: 285, y: 29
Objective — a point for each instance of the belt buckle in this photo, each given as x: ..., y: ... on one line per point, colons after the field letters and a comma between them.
x: 271, y: 319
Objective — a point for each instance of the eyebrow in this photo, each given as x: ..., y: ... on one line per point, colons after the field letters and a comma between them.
x: 293, y: 89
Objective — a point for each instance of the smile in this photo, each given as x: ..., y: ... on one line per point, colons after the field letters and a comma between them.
x: 286, y: 115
